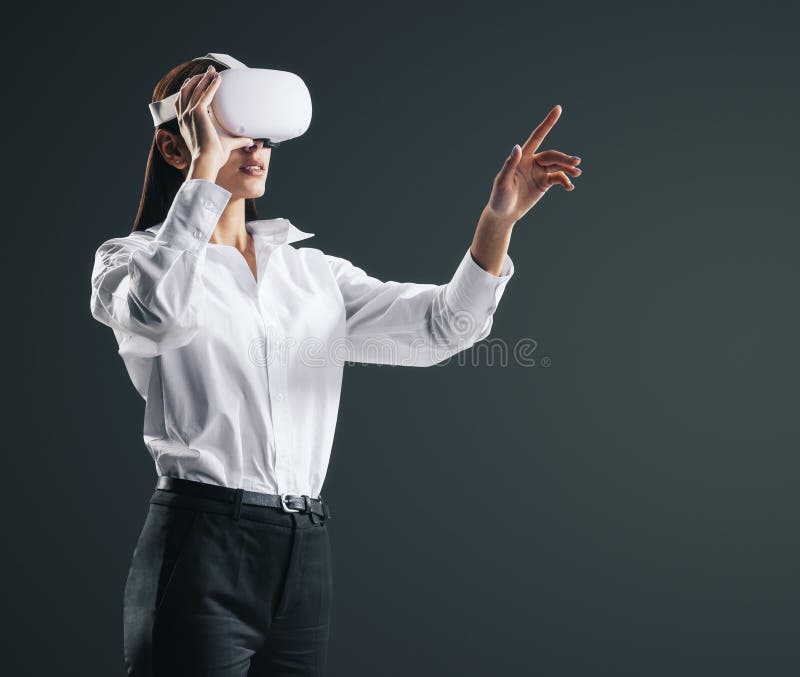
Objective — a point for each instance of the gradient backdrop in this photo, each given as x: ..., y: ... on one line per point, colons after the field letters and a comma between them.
x: 627, y: 506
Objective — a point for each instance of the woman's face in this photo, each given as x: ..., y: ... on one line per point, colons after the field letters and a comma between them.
x: 242, y: 183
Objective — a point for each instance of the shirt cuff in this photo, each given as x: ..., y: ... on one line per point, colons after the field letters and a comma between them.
x: 193, y: 215
x: 475, y: 290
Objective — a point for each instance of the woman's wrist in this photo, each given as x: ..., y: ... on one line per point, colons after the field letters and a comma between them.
x: 203, y: 169
x: 489, y: 221
x: 490, y: 242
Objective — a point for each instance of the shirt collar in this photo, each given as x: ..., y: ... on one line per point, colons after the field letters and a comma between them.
x: 274, y: 231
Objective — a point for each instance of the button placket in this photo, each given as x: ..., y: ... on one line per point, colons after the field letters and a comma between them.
x: 276, y: 379
x: 277, y: 385
x: 269, y: 358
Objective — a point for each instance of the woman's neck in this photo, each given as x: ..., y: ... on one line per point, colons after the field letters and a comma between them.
x: 231, y: 229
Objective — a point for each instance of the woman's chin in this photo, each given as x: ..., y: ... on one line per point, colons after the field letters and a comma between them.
x: 255, y: 193
x: 250, y: 189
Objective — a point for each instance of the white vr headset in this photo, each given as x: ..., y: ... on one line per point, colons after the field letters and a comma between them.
x: 259, y: 103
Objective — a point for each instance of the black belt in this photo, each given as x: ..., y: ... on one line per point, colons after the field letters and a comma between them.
x: 286, y: 502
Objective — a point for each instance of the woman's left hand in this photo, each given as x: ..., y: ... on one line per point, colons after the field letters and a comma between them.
x: 526, y: 175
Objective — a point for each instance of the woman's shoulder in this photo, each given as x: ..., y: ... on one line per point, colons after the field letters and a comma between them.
x: 316, y: 254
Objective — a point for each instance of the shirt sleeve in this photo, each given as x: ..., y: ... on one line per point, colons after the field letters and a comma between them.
x: 417, y: 324
x: 150, y: 290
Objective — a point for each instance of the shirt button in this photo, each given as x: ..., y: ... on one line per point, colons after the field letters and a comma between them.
x: 198, y: 233
x: 279, y: 396
x: 208, y: 204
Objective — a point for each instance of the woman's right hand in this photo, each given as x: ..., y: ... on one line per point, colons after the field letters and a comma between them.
x: 208, y: 145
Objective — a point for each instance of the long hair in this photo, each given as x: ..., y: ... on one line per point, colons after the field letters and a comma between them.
x: 162, y: 180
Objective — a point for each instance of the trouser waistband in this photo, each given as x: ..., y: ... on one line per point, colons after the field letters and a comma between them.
x: 290, y: 503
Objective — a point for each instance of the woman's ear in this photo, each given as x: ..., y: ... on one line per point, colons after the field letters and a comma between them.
x: 173, y: 149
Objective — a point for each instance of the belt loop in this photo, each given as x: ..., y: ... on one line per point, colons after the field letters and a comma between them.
x: 237, y: 504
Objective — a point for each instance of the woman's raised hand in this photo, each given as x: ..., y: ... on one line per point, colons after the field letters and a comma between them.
x: 208, y: 143
x: 527, y: 175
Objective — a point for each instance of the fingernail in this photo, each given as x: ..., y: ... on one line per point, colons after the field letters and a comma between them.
x: 185, y: 81
x: 209, y: 68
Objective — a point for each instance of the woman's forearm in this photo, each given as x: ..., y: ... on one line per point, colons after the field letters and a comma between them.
x: 490, y: 243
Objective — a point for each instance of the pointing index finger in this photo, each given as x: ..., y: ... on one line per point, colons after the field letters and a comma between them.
x: 538, y: 134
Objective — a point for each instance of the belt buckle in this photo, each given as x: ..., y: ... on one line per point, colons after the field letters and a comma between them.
x: 285, y: 507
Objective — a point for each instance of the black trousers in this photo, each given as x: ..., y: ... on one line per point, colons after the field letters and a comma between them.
x: 213, y: 593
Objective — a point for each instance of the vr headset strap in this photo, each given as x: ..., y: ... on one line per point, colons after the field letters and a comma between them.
x: 164, y: 110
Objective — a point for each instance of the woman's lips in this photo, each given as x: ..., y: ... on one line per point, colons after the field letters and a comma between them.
x: 252, y: 172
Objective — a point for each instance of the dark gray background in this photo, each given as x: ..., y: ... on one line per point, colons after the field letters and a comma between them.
x: 629, y: 510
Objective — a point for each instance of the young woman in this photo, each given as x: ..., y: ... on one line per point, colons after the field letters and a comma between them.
x: 236, y: 341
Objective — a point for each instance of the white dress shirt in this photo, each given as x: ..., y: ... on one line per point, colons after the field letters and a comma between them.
x: 241, y: 377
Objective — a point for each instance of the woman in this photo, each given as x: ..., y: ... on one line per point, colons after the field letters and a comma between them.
x: 237, y: 341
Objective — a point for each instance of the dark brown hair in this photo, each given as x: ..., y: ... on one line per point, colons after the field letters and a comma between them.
x: 162, y: 180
